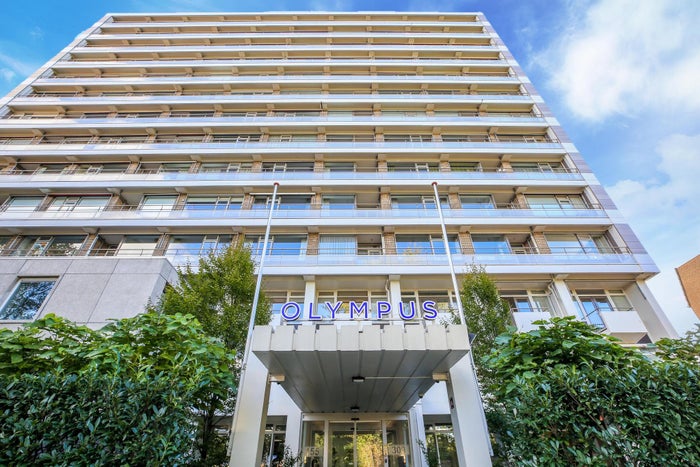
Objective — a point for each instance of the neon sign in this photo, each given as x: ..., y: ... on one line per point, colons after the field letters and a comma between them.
x: 292, y: 311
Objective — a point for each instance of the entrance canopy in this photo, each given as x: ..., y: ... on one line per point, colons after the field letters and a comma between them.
x: 363, y: 367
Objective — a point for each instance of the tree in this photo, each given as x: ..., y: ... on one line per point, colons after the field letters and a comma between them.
x: 219, y: 294
x: 485, y: 313
x: 123, y: 395
x: 567, y: 395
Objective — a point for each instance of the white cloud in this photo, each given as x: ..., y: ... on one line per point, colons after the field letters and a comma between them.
x: 620, y: 56
x: 16, y: 65
x: 665, y: 213
x: 7, y: 74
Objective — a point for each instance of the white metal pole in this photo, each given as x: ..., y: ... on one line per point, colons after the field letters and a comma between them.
x: 458, y: 298
x: 253, y: 312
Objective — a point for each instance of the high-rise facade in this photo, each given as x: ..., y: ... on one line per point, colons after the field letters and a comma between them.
x: 155, y: 138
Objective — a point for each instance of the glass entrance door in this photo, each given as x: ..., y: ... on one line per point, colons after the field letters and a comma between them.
x: 380, y: 443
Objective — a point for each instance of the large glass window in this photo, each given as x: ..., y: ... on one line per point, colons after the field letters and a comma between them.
x: 158, y: 202
x: 477, y: 202
x: 282, y: 202
x: 23, y: 203
x: 490, y: 244
x: 418, y: 202
x: 338, y: 201
x: 440, y: 444
x: 425, y: 244
x: 527, y: 301
x: 78, y: 203
x: 555, y: 201
x: 593, y: 302
x: 26, y: 299
x: 337, y: 245
x: 213, y: 203
x: 273, y: 445
x: 59, y: 245
x: 577, y: 244
x: 197, y: 244
x: 278, y: 245
x: 138, y: 245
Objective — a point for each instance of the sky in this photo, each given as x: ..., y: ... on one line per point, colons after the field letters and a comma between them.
x: 620, y: 75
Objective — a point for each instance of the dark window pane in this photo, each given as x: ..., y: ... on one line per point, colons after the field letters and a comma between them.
x: 26, y: 300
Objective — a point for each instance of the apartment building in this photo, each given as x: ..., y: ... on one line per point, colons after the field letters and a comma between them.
x: 152, y: 139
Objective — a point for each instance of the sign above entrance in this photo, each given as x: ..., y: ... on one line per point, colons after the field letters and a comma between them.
x: 292, y: 311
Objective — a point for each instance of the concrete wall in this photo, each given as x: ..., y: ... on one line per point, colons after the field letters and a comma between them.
x: 90, y: 291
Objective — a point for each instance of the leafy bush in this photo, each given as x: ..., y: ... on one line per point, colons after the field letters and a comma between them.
x: 567, y: 395
x: 124, y: 395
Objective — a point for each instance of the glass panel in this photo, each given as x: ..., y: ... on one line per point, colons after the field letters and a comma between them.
x: 65, y: 245
x: 342, y: 453
x: 564, y: 243
x: 621, y: 303
x: 369, y: 444
x: 337, y: 245
x: 397, y: 443
x: 138, y: 245
x: 158, y: 203
x: 339, y: 201
x: 26, y: 300
x: 542, y: 201
x: 542, y: 304
x: 441, y: 445
x: 490, y: 244
x: 476, y: 201
x: 23, y: 203
x: 439, y: 245
x: 185, y: 245
x: 287, y: 245
x: 413, y: 245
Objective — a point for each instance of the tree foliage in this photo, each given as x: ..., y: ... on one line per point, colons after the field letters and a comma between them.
x: 567, y: 395
x: 219, y: 293
x: 123, y: 395
x: 486, y: 314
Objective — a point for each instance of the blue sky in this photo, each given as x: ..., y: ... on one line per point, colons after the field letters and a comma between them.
x: 620, y: 75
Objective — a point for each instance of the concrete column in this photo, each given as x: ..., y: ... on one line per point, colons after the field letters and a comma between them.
x: 312, y: 243
x: 385, y: 200
x: 453, y: 199
x: 293, y: 434
x: 309, y: 291
x: 564, y: 297
x: 389, y: 240
x: 541, y: 243
x: 417, y: 426
x: 465, y: 243
x: 471, y: 435
x: 395, y: 295
x: 650, y: 312
x: 248, y: 430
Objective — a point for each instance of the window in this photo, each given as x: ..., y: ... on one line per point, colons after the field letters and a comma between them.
x: 23, y: 203
x: 197, y: 244
x: 536, y: 166
x: 233, y: 167
x: 338, y: 201
x: 418, y: 202
x: 337, y: 245
x: 527, y: 301
x: 138, y: 245
x: 278, y: 245
x: 26, y: 300
x: 425, y: 244
x: 59, y: 245
x: 556, y: 201
x: 158, y: 203
x: 282, y: 202
x: 444, y: 299
x: 477, y: 202
x: 465, y: 167
x: 213, y: 203
x: 593, y: 302
x: 339, y: 166
x: 78, y: 203
x: 412, y: 167
x: 491, y: 244
x: 577, y: 244
x: 440, y: 442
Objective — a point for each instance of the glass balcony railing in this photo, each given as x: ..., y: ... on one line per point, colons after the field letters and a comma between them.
x: 48, y: 174
x: 300, y: 256
x: 296, y: 211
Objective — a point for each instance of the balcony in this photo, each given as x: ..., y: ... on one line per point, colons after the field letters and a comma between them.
x: 524, y: 319
x: 291, y: 215
x: 624, y: 324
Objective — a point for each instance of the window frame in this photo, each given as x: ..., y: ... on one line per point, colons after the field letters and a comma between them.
x: 15, y: 289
